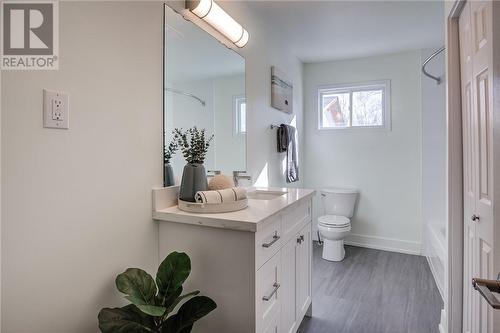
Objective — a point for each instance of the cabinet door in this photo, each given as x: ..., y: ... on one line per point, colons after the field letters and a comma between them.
x: 269, y: 293
x: 289, y: 286
x: 303, y: 264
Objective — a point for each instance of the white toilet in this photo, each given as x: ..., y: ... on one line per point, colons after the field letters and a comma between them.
x: 336, y: 224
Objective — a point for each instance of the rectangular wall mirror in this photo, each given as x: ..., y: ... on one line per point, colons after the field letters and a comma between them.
x: 204, y: 86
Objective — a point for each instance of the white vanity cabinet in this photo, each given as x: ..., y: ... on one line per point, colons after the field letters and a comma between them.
x: 258, y: 271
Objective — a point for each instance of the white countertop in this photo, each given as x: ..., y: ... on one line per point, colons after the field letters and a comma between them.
x: 248, y: 219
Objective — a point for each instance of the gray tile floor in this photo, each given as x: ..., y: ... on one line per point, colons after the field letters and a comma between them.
x: 373, y: 291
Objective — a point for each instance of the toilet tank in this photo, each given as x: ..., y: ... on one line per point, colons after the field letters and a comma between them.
x: 337, y: 201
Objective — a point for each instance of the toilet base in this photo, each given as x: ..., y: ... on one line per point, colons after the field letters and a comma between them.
x: 333, y: 250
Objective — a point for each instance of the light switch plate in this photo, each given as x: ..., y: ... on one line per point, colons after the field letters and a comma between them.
x: 55, y: 109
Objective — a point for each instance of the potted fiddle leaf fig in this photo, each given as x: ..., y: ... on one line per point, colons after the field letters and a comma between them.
x: 153, y: 303
x: 194, y: 147
x: 167, y: 156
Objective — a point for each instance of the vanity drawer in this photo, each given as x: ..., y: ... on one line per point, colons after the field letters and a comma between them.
x: 274, y: 325
x: 295, y: 217
x: 268, y: 294
x: 268, y: 241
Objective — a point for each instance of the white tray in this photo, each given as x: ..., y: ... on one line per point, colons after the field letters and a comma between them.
x: 205, y: 208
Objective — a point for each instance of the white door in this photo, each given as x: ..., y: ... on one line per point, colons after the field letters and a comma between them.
x: 476, y: 56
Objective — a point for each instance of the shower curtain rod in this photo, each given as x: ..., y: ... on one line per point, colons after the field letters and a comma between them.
x: 180, y: 92
x: 436, y: 78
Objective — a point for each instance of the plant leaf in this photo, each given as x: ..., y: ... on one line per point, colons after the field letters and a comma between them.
x: 152, y: 310
x: 180, y: 298
x: 172, y: 273
x: 191, y: 311
x: 169, y: 300
x: 138, y: 285
x: 127, y: 319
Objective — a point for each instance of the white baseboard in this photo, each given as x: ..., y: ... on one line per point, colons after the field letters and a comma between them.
x: 382, y: 243
x: 434, y: 274
x: 443, y: 325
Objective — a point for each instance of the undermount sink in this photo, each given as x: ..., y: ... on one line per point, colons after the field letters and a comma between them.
x: 265, y: 195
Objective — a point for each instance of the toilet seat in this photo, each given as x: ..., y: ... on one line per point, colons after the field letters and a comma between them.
x: 334, y: 221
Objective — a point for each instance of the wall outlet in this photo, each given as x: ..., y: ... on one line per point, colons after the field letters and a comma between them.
x: 55, y: 109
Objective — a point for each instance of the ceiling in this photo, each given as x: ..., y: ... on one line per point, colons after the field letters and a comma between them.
x: 317, y: 31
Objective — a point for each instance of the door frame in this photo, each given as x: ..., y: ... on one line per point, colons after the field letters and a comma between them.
x: 451, y: 318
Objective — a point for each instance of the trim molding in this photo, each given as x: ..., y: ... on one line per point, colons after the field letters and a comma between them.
x: 433, y: 272
x: 443, y: 325
x: 382, y: 243
x: 453, y: 283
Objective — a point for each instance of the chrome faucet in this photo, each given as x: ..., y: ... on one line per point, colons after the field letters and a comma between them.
x: 237, y: 176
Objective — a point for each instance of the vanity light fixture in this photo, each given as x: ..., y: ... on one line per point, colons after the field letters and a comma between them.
x: 214, y: 15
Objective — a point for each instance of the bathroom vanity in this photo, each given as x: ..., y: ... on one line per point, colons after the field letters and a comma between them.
x: 255, y: 263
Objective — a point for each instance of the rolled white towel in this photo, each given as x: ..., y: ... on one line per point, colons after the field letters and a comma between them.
x: 220, y: 196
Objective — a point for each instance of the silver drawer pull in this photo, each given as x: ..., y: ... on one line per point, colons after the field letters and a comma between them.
x: 275, y: 239
x: 276, y: 287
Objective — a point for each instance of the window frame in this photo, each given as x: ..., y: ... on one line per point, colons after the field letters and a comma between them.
x: 384, y: 85
x: 237, y: 101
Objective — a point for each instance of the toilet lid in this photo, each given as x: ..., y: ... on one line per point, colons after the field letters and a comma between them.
x: 334, y: 220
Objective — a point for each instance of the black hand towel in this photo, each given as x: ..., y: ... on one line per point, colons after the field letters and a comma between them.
x: 287, y: 143
x: 282, y: 137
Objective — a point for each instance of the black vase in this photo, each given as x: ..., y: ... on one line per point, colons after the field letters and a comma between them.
x: 194, y: 179
x: 169, y: 175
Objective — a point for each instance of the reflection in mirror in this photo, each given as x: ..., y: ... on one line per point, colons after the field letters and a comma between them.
x: 204, y: 87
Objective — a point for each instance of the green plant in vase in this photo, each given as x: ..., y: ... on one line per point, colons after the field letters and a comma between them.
x: 167, y: 156
x: 194, y: 146
x: 153, y: 303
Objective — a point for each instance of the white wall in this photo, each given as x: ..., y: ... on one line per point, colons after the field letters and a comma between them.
x: 227, y: 151
x: 265, y: 49
x: 230, y: 147
x: 77, y: 202
x: 385, y: 166
x: 434, y: 167
x: 185, y: 112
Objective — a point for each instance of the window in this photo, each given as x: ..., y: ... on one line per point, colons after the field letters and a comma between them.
x: 355, y: 106
x: 240, y: 115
